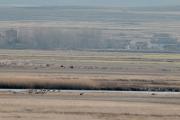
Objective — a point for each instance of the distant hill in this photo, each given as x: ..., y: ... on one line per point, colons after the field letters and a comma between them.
x: 75, y: 13
x: 99, y: 28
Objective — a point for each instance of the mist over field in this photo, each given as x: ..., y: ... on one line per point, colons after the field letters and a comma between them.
x: 95, y: 25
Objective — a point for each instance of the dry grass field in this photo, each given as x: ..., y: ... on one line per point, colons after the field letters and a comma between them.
x: 93, y: 81
x: 89, y: 106
x: 79, y: 70
x: 89, y: 70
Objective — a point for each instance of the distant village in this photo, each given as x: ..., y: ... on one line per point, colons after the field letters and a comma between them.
x: 12, y: 39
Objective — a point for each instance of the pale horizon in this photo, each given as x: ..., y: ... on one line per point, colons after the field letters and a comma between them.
x: 115, y: 3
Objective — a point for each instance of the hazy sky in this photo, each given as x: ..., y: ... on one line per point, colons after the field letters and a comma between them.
x: 122, y: 3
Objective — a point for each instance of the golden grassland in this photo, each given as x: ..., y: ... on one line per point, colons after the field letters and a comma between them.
x: 90, y: 106
x: 89, y: 70
x: 80, y: 81
x: 82, y: 70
